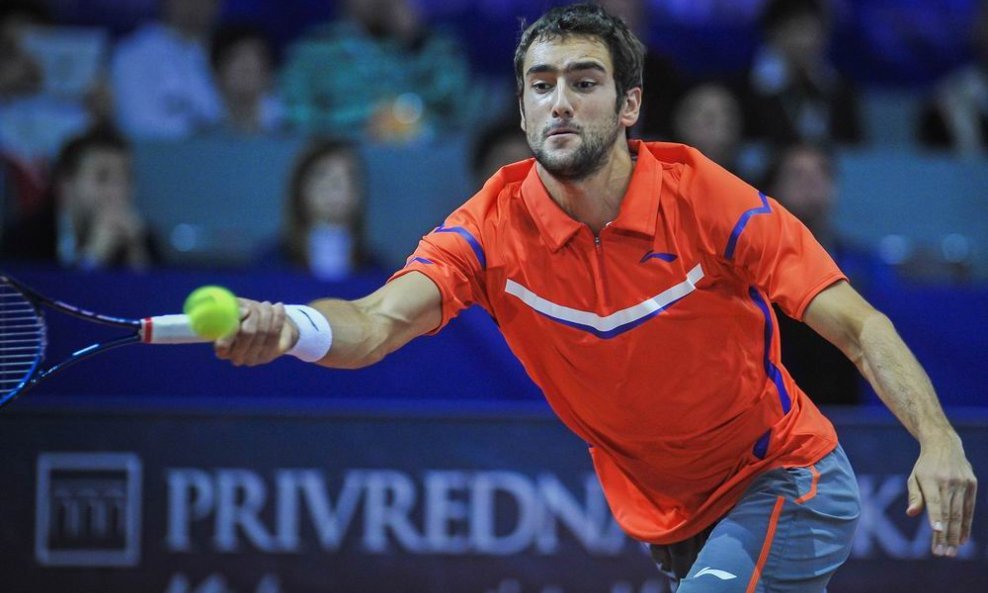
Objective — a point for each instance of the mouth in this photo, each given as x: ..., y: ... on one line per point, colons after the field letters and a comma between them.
x: 561, y: 131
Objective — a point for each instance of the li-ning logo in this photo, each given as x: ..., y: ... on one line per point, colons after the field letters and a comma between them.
x: 88, y: 509
x: 720, y: 574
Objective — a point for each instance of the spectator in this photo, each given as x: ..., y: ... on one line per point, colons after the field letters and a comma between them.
x: 19, y: 73
x: 91, y: 222
x: 708, y: 118
x: 662, y: 80
x: 499, y: 145
x: 794, y: 92
x: 379, y: 73
x: 161, y: 77
x: 33, y: 123
x: 957, y: 117
x: 324, y: 211
x: 802, y: 178
x: 243, y: 62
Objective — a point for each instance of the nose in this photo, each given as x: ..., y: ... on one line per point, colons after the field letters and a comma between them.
x: 562, y: 107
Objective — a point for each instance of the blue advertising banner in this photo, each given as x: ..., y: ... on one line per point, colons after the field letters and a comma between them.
x: 298, y: 498
x: 950, y: 344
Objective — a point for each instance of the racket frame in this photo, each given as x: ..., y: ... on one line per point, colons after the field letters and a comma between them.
x: 140, y: 328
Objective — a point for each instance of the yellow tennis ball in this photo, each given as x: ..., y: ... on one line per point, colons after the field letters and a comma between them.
x: 213, y: 312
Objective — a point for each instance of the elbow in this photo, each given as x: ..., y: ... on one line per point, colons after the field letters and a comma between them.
x: 371, y: 358
x: 353, y: 360
x: 872, y: 331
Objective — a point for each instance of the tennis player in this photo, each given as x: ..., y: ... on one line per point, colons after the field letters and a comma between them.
x: 634, y: 280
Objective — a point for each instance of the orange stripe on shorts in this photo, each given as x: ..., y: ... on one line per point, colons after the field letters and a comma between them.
x: 769, y: 536
x: 812, y: 491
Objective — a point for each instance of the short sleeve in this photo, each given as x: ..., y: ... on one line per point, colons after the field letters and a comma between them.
x: 453, y: 257
x: 760, y: 239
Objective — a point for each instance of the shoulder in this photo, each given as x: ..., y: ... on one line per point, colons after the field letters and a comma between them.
x: 688, y: 170
x: 147, y: 38
x: 697, y: 188
x: 151, y: 44
x: 493, y: 205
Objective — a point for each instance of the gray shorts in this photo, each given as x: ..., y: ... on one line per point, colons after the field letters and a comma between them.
x: 790, y: 532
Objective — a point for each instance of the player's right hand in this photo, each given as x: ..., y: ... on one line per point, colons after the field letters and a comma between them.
x: 265, y: 333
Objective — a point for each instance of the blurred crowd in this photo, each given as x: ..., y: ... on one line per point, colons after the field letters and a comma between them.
x: 74, y: 100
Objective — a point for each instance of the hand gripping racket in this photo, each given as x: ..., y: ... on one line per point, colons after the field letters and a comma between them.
x: 24, y: 336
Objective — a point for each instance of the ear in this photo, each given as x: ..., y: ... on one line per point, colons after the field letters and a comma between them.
x: 521, y: 110
x: 631, y: 108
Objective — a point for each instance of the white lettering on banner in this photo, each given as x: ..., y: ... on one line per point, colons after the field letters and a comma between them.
x: 242, y: 494
x: 216, y: 583
x: 330, y: 523
x: 454, y: 512
x: 187, y: 487
x: 88, y: 509
x: 592, y: 526
x: 881, y: 499
x: 483, y: 522
x: 389, y: 499
x: 445, y: 512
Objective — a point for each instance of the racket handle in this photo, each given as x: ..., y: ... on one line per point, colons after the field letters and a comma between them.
x: 169, y: 329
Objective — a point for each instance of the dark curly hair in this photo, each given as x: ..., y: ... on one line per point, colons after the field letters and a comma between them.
x: 590, y: 20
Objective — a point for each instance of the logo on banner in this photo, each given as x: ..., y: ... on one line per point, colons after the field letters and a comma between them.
x: 88, y: 509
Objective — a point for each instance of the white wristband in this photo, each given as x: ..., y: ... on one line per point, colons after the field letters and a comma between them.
x: 315, y: 336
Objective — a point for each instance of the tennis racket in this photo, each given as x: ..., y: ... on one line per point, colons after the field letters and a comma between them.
x: 24, y: 336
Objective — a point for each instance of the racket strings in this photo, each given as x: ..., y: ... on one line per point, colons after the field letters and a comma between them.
x: 22, y: 339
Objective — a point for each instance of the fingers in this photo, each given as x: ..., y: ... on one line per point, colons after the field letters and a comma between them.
x: 949, y: 501
x: 257, y: 340
x: 953, y: 510
x: 222, y: 346
x: 269, y: 348
x: 915, y: 496
x: 243, y: 351
x: 933, y: 501
x: 970, y: 495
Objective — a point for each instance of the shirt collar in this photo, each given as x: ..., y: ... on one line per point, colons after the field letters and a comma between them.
x: 638, y: 212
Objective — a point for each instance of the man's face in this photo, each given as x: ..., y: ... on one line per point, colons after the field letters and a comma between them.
x: 709, y: 118
x: 805, y: 186
x: 802, y: 40
x: 245, y: 73
x: 101, y: 184
x: 331, y: 191
x: 568, y: 105
x: 195, y: 17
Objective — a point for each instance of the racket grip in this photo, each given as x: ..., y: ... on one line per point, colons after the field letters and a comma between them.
x: 169, y: 329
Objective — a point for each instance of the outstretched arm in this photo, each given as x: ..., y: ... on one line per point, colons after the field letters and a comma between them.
x: 942, y: 479
x: 364, y: 330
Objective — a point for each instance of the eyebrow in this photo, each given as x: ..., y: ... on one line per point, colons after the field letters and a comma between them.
x: 571, y: 67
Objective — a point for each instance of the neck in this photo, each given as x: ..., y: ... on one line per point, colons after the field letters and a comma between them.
x: 595, y: 200
x: 244, y: 114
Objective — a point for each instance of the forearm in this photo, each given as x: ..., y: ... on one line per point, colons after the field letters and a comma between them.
x: 359, y: 339
x: 359, y: 332
x: 942, y: 479
x: 368, y: 329
x: 895, y: 374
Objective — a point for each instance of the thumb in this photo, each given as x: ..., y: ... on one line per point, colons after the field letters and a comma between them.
x: 915, y: 497
x: 289, y: 335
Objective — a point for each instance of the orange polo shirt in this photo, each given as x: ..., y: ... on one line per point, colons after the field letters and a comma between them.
x: 654, y: 341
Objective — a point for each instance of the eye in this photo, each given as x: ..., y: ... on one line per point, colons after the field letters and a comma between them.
x: 541, y: 86
x: 586, y: 85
